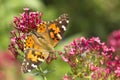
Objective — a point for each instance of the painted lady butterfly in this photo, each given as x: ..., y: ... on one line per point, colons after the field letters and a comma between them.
x: 40, y: 42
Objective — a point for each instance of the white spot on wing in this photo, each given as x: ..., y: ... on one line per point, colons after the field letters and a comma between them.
x: 64, y: 28
x: 60, y: 22
x: 34, y: 66
x: 28, y: 70
x: 27, y: 63
x: 59, y: 36
x: 67, y: 21
x: 42, y: 60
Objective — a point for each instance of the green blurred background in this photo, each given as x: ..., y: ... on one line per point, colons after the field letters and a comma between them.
x: 87, y: 18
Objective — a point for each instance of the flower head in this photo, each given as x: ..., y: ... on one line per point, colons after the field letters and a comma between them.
x: 88, y: 57
x: 82, y: 47
x: 114, y: 40
x: 25, y: 23
x: 100, y: 73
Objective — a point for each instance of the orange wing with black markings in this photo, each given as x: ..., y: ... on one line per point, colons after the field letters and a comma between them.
x: 53, y: 31
x: 57, y: 28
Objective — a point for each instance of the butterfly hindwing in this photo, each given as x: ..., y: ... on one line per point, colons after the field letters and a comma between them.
x: 35, y: 54
x: 33, y: 59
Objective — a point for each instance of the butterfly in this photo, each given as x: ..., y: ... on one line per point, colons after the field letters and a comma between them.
x: 40, y: 42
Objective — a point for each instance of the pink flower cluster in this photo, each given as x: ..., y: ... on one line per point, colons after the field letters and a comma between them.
x: 114, y: 40
x: 23, y: 24
x: 114, y: 65
x: 81, y: 46
x: 16, y: 42
x: 27, y: 21
x: 90, y: 57
x: 100, y: 73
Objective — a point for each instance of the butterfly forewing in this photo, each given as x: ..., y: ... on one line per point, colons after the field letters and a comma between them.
x: 57, y: 28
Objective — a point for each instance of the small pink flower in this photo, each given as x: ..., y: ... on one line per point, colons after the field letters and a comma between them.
x: 92, y: 67
x: 52, y: 56
x: 13, y: 40
x: 66, y: 77
x: 117, y: 71
x: 64, y: 59
x: 101, y: 62
x: 100, y: 74
x: 72, y: 51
